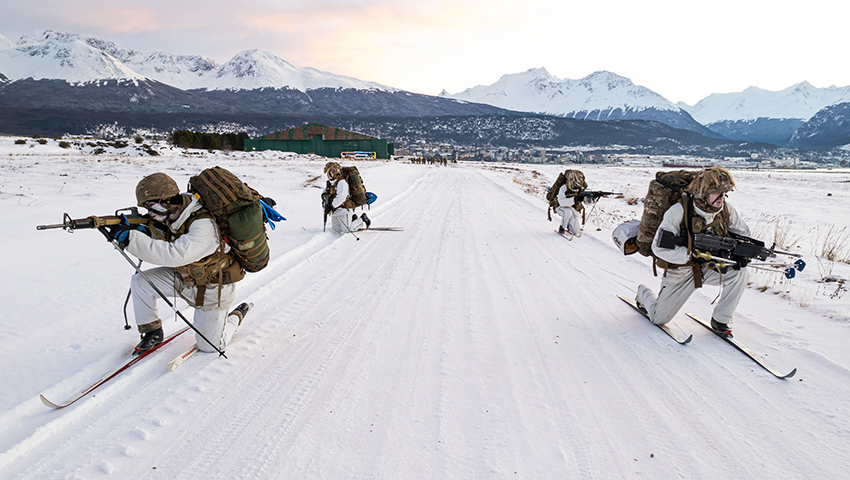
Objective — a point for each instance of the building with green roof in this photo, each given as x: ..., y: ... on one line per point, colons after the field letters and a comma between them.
x: 322, y: 140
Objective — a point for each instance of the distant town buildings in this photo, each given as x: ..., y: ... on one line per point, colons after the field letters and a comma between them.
x: 585, y: 155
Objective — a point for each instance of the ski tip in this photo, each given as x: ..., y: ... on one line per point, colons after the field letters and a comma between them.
x: 48, y: 403
x: 688, y: 340
x: 790, y: 374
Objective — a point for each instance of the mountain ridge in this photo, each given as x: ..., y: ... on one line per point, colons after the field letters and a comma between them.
x: 600, y: 96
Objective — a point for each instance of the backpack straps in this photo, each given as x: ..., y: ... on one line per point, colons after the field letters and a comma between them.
x: 689, y: 227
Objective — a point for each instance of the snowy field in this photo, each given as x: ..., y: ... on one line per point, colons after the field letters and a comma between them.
x: 476, y: 343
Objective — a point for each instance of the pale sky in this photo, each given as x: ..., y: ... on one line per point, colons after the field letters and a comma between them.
x: 683, y: 50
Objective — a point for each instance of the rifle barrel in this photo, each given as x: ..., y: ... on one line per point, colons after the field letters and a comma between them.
x: 47, y: 227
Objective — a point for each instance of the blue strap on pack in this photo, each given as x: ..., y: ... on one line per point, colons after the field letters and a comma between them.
x: 270, y: 215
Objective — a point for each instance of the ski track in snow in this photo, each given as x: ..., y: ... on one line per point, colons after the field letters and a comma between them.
x: 474, y: 344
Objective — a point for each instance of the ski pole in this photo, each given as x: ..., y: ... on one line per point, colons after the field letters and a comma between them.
x: 126, y: 302
x: 346, y: 227
x: 162, y: 295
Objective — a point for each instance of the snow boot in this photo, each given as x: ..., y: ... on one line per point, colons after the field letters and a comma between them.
x: 365, y: 220
x: 561, y: 230
x: 645, y: 298
x: 149, y: 341
x: 240, y: 311
x: 721, y: 328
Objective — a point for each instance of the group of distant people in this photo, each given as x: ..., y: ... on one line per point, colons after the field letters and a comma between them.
x: 431, y: 161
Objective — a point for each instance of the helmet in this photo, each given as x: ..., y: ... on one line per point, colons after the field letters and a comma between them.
x: 155, y: 187
x: 333, y: 168
x: 711, y: 180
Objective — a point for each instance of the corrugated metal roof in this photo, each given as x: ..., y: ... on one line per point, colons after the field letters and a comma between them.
x: 306, y: 132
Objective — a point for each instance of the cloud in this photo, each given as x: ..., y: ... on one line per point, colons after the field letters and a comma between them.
x: 683, y: 50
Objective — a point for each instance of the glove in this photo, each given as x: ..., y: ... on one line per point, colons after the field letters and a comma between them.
x: 579, y: 198
x: 270, y: 215
x: 741, y: 263
x: 121, y: 232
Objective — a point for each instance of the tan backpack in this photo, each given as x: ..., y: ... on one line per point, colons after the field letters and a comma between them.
x: 356, y: 191
x: 236, y: 209
x: 666, y: 189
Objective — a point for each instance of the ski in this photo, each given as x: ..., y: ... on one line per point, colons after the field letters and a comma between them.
x: 664, y: 327
x: 570, y: 238
x: 741, y: 348
x: 182, y: 358
x: 380, y: 229
x: 112, y: 374
x: 172, y: 365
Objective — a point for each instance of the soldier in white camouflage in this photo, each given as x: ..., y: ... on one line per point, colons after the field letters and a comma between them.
x: 703, y: 210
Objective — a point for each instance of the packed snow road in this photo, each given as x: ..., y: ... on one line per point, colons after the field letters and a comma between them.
x: 476, y: 343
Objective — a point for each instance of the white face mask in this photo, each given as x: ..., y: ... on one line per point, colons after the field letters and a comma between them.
x: 158, y: 212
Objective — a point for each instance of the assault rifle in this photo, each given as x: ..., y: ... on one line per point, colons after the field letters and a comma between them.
x: 69, y: 224
x: 326, y: 205
x: 591, y: 196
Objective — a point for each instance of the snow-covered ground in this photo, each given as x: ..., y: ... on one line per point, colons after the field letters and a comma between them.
x: 474, y: 344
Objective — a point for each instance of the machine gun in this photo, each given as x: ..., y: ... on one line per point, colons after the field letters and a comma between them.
x: 722, y: 252
x: 591, y: 196
x: 69, y: 224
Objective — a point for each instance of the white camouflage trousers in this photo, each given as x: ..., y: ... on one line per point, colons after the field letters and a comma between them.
x: 341, y: 221
x: 677, y: 285
x: 570, y: 219
x: 211, y: 319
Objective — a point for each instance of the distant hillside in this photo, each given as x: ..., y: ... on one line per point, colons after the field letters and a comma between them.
x: 828, y: 128
x: 480, y: 130
x: 777, y: 131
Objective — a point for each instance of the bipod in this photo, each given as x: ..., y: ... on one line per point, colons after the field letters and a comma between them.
x: 159, y: 292
x: 789, y: 269
x: 590, y: 216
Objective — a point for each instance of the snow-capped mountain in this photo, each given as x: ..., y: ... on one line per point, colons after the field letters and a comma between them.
x: 80, y: 58
x: 830, y: 127
x: 800, y: 101
x: 56, y: 55
x: 181, y: 71
x: 538, y: 91
x: 52, y: 70
x: 255, y: 69
x: 760, y: 115
x: 600, y: 96
x: 5, y: 43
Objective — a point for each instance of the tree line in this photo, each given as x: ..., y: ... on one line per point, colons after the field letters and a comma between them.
x: 209, y: 141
